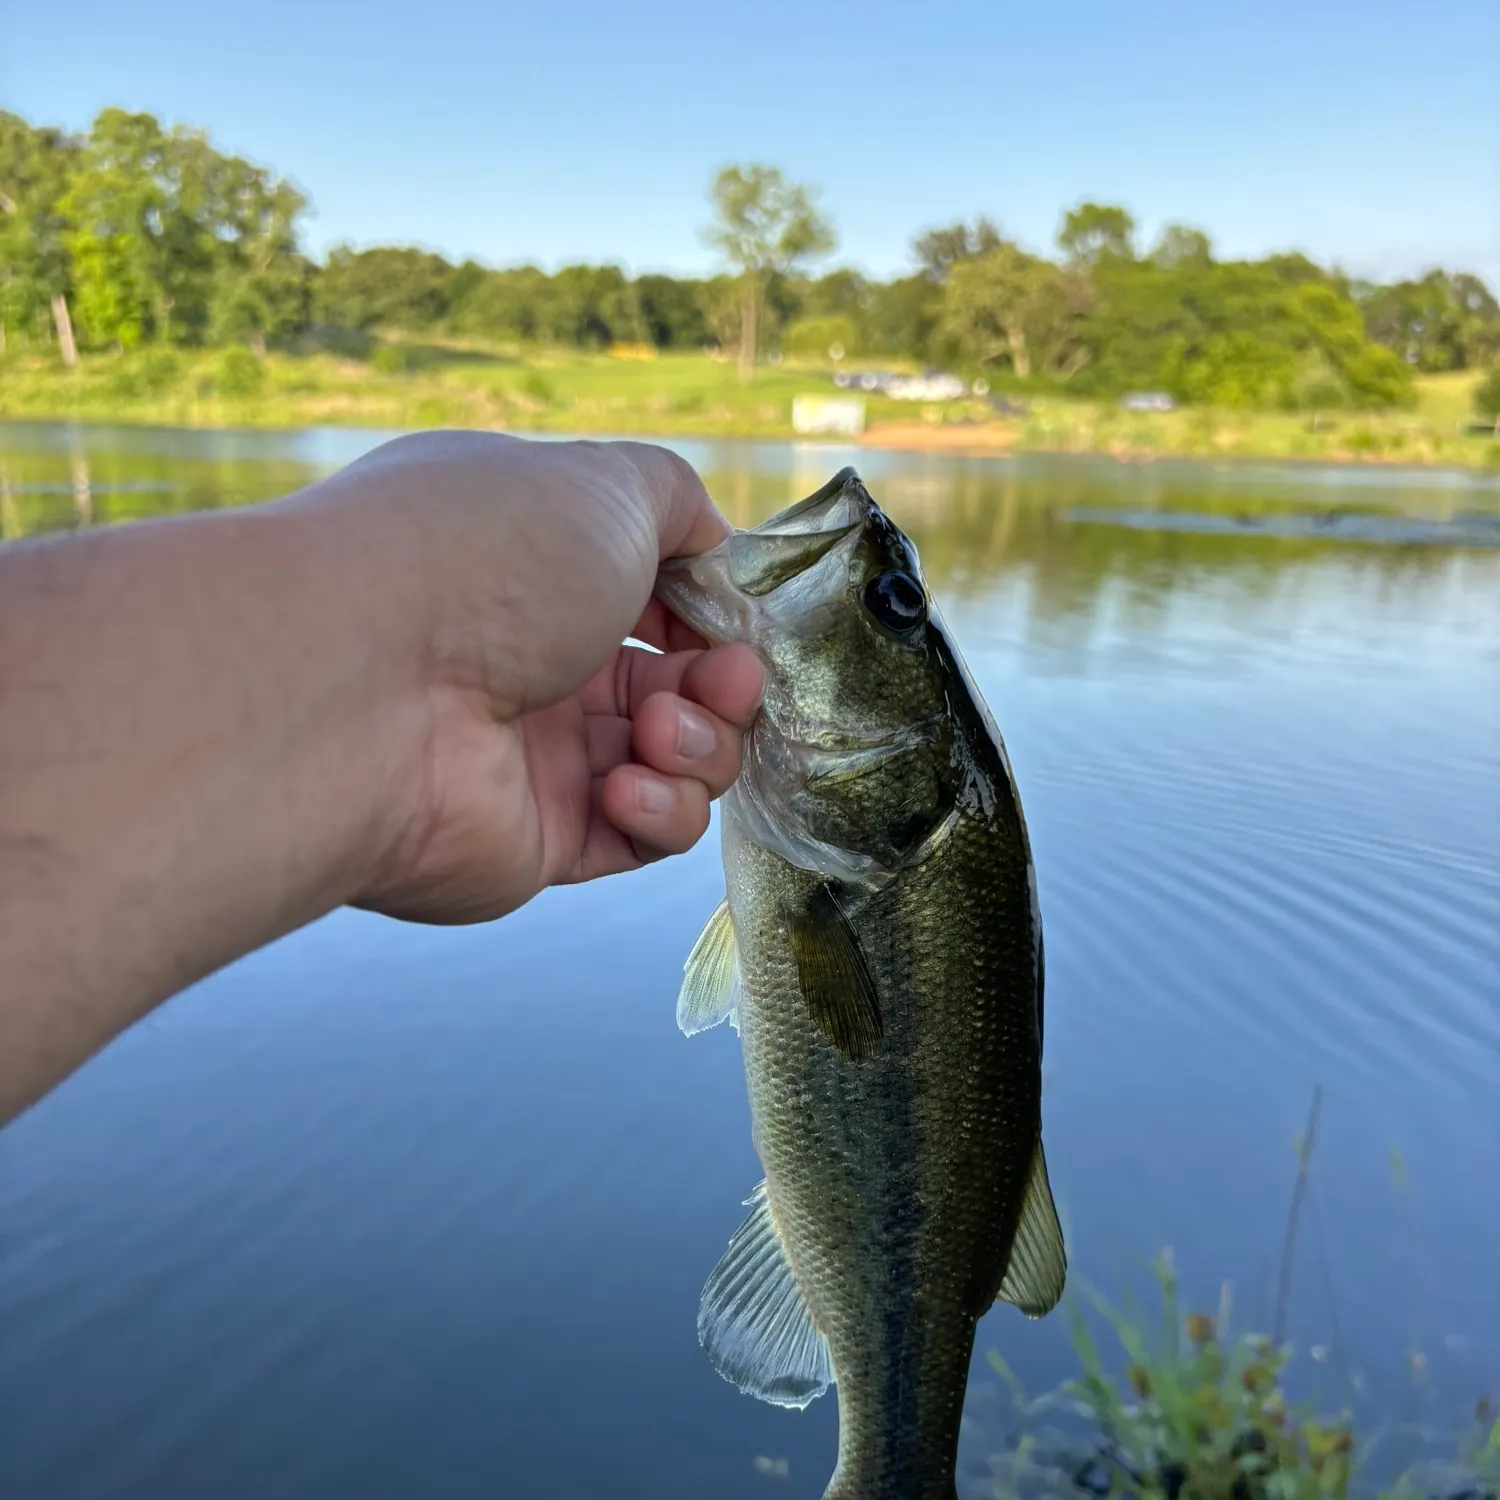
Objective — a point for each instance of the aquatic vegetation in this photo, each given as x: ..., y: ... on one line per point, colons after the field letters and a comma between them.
x: 1198, y: 1412
x: 1202, y: 1413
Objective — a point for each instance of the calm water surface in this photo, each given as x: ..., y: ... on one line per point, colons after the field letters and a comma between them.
x: 393, y: 1212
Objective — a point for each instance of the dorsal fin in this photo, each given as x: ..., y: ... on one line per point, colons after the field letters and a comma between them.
x: 753, y: 1320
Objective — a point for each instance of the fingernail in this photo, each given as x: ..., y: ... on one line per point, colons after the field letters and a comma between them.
x: 654, y: 796
x: 696, y: 737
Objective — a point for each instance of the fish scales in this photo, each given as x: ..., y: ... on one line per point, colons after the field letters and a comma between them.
x: 873, y: 1175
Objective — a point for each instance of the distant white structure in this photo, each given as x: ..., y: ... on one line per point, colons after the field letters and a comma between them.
x: 1148, y: 401
x: 844, y: 415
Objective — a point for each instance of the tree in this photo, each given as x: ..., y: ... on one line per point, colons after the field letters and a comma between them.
x: 1480, y: 319
x: 510, y: 304
x: 388, y: 287
x: 141, y: 232
x: 672, y: 311
x: 939, y: 250
x: 1179, y: 245
x: 1326, y: 320
x: 168, y: 239
x: 763, y: 225
x: 123, y: 231
x: 1014, y: 306
x: 593, y: 307
x: 1272, y: 333
x: 1093, y: 231
x: 262, y: 285
x: 34, y: 282
x: 904, y: 316
x: 841, y: 293
x: 1440, y: 322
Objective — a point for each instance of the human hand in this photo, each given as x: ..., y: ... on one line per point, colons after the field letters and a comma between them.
x: 533, y: 747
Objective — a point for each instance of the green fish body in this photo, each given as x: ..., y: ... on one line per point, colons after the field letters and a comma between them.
x: 880, y: 952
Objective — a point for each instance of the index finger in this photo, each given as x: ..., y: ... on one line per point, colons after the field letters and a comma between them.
x: 686, y: 521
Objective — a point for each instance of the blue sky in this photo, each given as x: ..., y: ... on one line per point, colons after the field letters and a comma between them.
x: 566, y: 130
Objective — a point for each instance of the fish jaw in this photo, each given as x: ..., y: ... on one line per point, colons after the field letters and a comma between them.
x: 765, y: 577
x: 841, y: 502
x: 754, y: 583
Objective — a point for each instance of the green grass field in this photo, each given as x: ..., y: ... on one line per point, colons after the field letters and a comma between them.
x: 407, y: 385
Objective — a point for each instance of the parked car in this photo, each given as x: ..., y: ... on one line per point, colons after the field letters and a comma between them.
x: 1148, y: 401
x: 935, y: 385
x: 865, y: 380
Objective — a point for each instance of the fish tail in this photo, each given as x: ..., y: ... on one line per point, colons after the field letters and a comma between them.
x: 845, y: 1488
x: 849, y: 1483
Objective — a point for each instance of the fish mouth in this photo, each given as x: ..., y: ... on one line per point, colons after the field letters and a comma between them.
x: 843, y: 501
x: 760, y: 577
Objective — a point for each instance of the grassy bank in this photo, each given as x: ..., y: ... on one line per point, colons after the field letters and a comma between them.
x: 691, y: 395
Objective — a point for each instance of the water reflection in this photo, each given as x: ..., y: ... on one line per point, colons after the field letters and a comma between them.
x: 83, y: 498
x: 1077, y: 536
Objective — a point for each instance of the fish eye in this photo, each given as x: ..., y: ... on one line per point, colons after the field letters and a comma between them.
x: 896, y: 601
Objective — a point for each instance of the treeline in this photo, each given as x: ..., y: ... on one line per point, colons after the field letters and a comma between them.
x: 140, y: 234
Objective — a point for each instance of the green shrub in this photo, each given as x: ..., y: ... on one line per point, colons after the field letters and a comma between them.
x: 160, y: 370
x: 124, y: 383
x: 240, y: 374
x: 1487, y: 397
x: 816, y: 338
x: 397, y: 359
x: 344, y: 343
x: 539, y: 388
x: 431, y: 413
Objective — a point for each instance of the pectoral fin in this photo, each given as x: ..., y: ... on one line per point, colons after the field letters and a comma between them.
x: 711, y: 976
x: 833, y: 976
x: 1033, y: 1280
x: 754, y: 1322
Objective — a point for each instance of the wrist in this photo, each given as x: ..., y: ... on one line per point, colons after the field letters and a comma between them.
x: 357, y: 686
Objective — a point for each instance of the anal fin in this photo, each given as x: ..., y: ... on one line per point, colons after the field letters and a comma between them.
x: 1038, y: 1267
x: 754, y: 1322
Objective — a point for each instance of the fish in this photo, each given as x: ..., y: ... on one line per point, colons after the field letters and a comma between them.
x: 879, y: 951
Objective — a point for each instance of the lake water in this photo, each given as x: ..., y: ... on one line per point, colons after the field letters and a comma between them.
x: 385, y: 1211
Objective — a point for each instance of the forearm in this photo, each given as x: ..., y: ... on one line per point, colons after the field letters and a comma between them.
x: 194, y: 759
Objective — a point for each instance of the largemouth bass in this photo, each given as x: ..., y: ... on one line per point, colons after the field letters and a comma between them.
x: 879, y: 951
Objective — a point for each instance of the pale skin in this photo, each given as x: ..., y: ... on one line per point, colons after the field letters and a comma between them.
x: 402, y: 688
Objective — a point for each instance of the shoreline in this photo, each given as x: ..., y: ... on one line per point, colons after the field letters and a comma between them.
x: 695, y: 398
x: 953, y: 441
x: 967, y: 440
